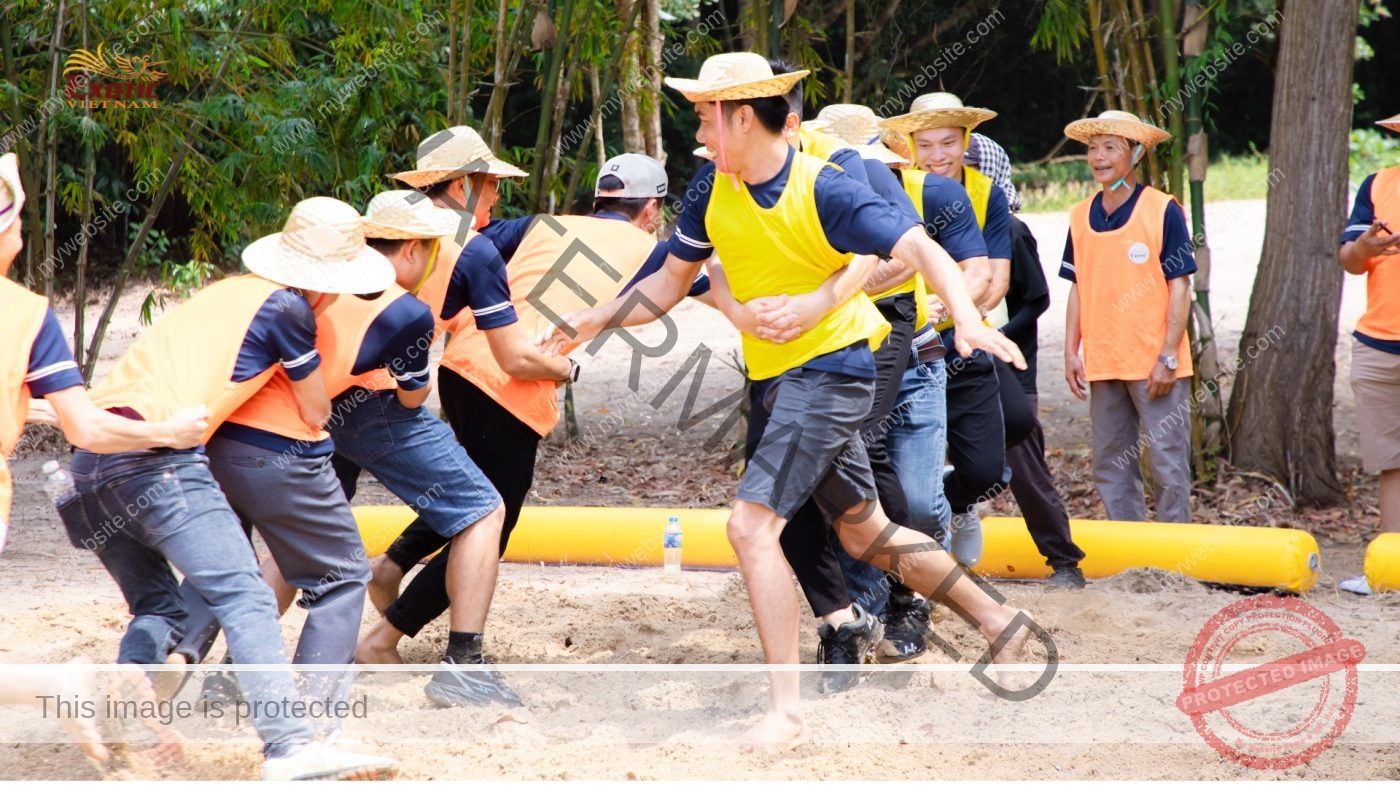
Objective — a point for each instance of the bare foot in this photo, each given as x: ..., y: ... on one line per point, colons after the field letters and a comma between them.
x: 776, y: 732
x: 380, y: 646
x: 385, y: 577
x: 83, y: 684
x: 1009, y: 650
x: 167, y: 683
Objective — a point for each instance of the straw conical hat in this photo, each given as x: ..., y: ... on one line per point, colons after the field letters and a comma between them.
x: 321, y: 248
x: 859, y: 127
x: 938, y: 111
x: 735, y: 75
x: 1117, y: 123
x: 405, y: 214
x: 451, y: 153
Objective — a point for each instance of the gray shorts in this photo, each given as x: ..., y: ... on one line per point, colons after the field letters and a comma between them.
x: 811, y: 447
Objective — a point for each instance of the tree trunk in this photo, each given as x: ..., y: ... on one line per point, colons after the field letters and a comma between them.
x: 1281, y: 407
x: 80, y: 276
x: 629, y: 79
x: 1096, y: 33
x: 651, y: 108
x: 509, y: 46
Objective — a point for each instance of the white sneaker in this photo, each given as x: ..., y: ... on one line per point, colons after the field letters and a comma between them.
x: 1356, y: 585
x: 320, y: 762
x: 965, y: 538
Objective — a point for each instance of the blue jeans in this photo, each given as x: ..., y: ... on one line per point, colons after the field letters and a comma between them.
x: 146, y: 511
x: 415, y: 455
x: 916, y: 442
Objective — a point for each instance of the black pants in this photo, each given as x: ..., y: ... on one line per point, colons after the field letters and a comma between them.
x: 808, y: 542
x: 987, y: 412
x: 1040, y: 503
x: 504, y: 448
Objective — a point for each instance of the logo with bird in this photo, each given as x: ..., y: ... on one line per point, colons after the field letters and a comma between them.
x: 114, y: 66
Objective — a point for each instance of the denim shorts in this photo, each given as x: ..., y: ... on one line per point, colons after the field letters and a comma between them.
x: 416, y: 456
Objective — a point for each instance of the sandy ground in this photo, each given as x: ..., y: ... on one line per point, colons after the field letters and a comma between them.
x: 669, y: 722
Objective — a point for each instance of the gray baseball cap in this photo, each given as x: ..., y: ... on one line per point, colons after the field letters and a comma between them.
x: 641, y: 176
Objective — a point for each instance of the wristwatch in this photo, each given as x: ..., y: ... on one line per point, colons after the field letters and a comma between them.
x: 574, y: 368
x: 1167, y: 361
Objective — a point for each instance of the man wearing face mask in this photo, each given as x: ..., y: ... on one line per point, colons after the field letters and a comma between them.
x: 1129, y: 257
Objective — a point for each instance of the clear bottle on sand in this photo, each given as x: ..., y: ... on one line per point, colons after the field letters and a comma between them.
x: 58, y: 485
x: 671, y: 542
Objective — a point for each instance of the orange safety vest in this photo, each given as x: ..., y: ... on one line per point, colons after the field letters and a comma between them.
x: 341, y: 326
x: 564, y: 264
x: 22, y: 314
x: 1123, y: 294
x: 188, y: 357
x: 433, y: 290
x: 1382, y: 317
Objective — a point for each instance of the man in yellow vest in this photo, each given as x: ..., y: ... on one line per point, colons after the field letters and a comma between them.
x: 1129, y: 257
x: 989, y: 416
x: 555, y: 265
x: 148, y: 512
x: 35, y: 362
x: 783, y: 222
x: 1370, y: 244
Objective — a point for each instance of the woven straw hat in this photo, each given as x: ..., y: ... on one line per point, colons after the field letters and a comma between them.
x: 735, y: 75
x: 859, y: 127
x: 11, y: 191
x: 1392, y: 123
x: 938, y: 111
x: 452, y: 153
x: 408, y: 214
x: 1117, y: 123
x: 321, y: 248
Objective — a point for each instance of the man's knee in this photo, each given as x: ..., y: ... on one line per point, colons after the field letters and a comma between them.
x: 751, y: 525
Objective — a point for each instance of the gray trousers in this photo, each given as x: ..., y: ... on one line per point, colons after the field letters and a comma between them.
x: 296, y: 503
x: 1125, y: 424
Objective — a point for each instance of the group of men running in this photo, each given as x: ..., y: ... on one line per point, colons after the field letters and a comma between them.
x: 868, y: 282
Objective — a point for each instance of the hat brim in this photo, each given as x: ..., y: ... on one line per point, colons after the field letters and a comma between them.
x: 704, y: 153
x: 1390, y: 123
x: 437, y: 227
x: 9, y: 174
x: 696, y: 91
x: 420, y: 179
x: 959, y: 117
x: 877, y: 151
x: 268, y: 257
x: 1082, y: 130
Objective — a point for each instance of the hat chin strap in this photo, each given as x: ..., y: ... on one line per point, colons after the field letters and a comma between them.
x: 1138, y: 153
x: 721, y: 158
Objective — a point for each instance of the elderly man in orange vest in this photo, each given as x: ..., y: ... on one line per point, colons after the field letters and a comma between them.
x: 1129, y: 257
x: 1370, y: 244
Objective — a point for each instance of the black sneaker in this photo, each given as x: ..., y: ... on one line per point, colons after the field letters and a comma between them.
x: 469, y: 687
x: 848, y: 644
x: 221, y: 688
x: 1066, y: 578
x: 906, y: 628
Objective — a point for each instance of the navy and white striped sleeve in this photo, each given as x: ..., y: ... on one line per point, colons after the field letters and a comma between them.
x: 1363, y: 212
x: 1067, y: 262
x: 398, y: 340
x: 51, y: 366
x: 479, y: 283
x: 690, y: 241
x: 283, y: 332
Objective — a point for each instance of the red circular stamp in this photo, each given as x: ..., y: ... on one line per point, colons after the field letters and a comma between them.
x: 1280, y: 714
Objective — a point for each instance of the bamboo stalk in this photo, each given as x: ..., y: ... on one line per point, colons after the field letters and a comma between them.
x: 850, y: 49
x: 1166, y: 19
x: 613, y: 70
x: 1096, y: 32
x: 80, y: 274
x: 554, y: 64
x: 48, y: 133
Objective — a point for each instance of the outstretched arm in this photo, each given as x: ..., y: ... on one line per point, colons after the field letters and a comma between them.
x: 649, y: 300
x: 89, y: 427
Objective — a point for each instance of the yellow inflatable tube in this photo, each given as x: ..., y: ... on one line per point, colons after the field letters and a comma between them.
x: 1235, y: 555
x: 1383, y: 563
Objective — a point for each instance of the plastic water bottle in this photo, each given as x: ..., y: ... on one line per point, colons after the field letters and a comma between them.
x: 58, y: 485
x: 671, y: 542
